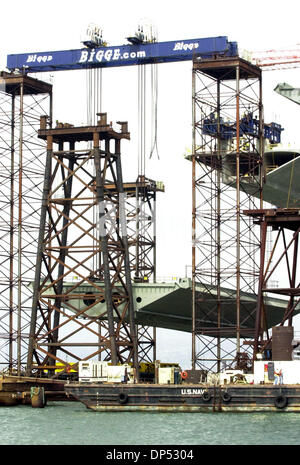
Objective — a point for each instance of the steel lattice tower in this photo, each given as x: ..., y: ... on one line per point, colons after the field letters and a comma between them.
x: 82, y: 286
x: 140, y: 206
x: 227, y: 179
x: 23, y: 101
x: 285, y: 223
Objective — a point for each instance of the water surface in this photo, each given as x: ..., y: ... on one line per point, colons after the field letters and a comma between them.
x: 71, y: 423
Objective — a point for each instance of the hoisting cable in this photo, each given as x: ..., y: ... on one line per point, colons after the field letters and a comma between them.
x: 154, y: 100
x: 140, y: 207
x: 141, y: 120
x: 94, y: 94
x: 144, y: 120
x: 94, y: 105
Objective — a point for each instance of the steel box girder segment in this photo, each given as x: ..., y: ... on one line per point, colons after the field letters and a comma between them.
x: 124, y: 55
x: 102, y: 131
x: 289, y: 92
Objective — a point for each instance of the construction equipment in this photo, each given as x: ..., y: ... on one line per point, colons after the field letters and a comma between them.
x: 141, y: 51
x: 122, y: 55
x: 276, y: 59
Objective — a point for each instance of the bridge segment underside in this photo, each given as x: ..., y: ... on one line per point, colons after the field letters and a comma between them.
x: 168, y: 305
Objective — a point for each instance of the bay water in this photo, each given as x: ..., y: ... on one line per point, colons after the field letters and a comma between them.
x: 71, y: 423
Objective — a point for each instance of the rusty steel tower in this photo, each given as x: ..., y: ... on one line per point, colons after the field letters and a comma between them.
x: 23, y: 100
x: 140, y: 208
x: 82, y: 291
x: 228, y: 175
x: 285, y: 223
x: 141, y: 228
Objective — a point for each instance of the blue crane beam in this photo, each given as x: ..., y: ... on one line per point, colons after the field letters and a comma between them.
x: 124, y: 55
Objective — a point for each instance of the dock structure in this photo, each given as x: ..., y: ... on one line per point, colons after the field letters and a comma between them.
x: 28, y: 390
x: 228, y: 148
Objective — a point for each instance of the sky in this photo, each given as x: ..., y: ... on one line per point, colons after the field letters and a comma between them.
x: 34, y: 26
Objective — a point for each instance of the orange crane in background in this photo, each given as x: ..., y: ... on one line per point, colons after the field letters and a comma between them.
x: 276, y: 59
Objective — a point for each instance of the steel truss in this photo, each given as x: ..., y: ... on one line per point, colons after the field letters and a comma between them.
x: 23, y: 101
x: 77, y: 251
x: 145, y: 230
x: 143, y: 256
x: 140, y: 205
x: 284, y: 254
x: 227, y: 159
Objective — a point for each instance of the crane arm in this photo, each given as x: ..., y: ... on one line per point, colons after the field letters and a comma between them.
x: 124, y: 55
x: 277, y: 59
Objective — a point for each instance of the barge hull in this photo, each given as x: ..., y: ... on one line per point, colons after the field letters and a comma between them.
x: 186, y: 398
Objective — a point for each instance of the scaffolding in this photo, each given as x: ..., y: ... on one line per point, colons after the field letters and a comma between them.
x: 227, y: 155
x: 23, y: 101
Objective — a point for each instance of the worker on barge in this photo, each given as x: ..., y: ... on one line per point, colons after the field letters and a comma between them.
x: 278, y: 377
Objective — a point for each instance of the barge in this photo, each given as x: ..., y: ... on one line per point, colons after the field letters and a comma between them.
x: 273, y: 386
x: 114, y: 397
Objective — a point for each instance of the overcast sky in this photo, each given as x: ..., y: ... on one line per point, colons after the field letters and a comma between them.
x: 32, y: 26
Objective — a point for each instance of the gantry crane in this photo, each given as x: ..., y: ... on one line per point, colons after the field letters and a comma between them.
x: 97, y: 54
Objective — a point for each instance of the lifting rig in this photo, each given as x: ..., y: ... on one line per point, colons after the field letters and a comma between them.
x: 214, y: 59
x: 44, y: 336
